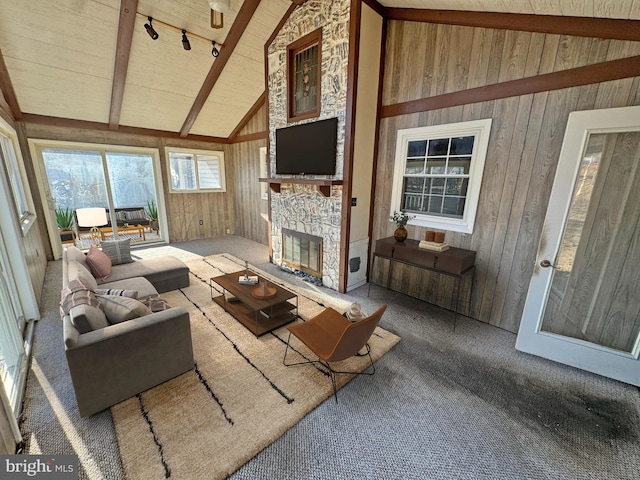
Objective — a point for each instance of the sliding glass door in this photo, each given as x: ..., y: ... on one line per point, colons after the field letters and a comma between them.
x: 125, y: 182
x: 12, y: 353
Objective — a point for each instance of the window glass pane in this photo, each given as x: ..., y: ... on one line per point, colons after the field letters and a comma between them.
x: 453, y: 206
x: 417, y: 149
x: 436, y: 166
x: 456, y: 186
x: 459, y: 166
x: 76, y: 178
x: 434, y: 204
x: 414, y: 166
x: 132, y: 180
x: 462, y: 145
x: 209, y: 171
x: 413, y: 191
x: 183, y: 171
x: 437, y: 186
x: 17, y: 187
x: 439, y: 146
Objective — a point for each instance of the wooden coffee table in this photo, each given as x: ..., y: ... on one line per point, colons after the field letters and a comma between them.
x: 260, y: 315
x: 108, y: 231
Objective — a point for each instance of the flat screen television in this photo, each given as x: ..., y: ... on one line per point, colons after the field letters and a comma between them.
x: 307, y: 149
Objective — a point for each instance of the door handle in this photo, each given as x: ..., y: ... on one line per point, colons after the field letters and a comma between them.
x: 546, y: 264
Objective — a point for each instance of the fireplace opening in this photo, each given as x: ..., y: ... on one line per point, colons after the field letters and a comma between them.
x: 302, y: 252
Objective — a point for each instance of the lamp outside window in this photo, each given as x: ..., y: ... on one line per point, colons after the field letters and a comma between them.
x: 94, y: 218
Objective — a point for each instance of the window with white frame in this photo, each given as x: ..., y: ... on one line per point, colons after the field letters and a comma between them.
x: 438, y: 173
x: 196, y: 170
x: 14, y: 167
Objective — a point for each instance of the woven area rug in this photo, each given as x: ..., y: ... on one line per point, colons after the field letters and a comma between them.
x: 239, y: 399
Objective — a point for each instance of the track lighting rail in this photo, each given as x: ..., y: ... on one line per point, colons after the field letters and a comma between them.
x: 182, y: 31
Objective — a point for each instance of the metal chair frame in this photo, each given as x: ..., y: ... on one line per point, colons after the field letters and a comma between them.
x: 369, y: 370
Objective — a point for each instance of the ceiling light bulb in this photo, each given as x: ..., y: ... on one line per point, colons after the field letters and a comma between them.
x: 215, y: 52
x: 149, y: 27
x: 185, y: 41
x: 217, y: 19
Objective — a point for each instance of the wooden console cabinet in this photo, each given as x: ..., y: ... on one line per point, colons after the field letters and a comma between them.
x: 442, y: 278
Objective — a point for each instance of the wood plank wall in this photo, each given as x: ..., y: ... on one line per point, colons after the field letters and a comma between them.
x: 252, y: 216
x: 425, y: 60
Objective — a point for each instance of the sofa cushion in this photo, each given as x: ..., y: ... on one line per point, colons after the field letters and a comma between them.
x: 80, y: 272
x: 119, y: 251
x: 121, y: 215
x: 165, y: 273
x: 120, y: 309
x: 99, y: 263
x: 75, y: 254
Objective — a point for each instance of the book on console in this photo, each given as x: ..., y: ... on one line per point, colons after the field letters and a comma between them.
x: 250, y: 280
x: 436, y: 247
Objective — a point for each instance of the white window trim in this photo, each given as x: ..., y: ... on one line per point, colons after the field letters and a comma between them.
x: 481, y: 129
x: 26, y: 221
x: 218, y: 153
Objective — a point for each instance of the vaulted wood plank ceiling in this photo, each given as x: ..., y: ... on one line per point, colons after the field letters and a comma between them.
x: 93, y: 61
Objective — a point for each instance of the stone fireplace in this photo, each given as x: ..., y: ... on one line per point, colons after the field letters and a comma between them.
x: 300, y: 206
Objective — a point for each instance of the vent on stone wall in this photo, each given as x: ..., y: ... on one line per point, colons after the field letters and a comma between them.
x: 302, y: 252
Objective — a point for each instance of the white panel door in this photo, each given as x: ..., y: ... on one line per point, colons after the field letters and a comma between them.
x: 583, y: 304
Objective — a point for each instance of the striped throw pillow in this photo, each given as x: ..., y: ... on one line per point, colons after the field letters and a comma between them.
x: 119, y: 251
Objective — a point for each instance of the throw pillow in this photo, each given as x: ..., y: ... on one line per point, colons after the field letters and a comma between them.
x: 136, y: 214
x: 75, y: 254
x: 87, y: 318
x: 80, y: 271
x: 76, y: 293
x: 99, y: 263
x: 120, y: 292
x: 119, y: 251
x: 120, y: 309
x: 121, y: 216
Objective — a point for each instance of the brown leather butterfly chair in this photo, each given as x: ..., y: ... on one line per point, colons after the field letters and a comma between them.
x: 332, y: 338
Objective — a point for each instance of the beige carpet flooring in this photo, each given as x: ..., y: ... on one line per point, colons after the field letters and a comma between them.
x: 240, y: 397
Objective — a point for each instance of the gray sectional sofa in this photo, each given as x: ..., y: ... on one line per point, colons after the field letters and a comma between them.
x: 116, y: 346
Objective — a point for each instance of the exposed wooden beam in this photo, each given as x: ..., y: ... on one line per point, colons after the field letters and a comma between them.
x: 83, y: 124
x: 376, y: 6
x: 574, y: 77
x: 233, y: 37
x: 250, y: 137
x: 4, y: 106
x: 7, y: 91
x: 248, y: 116
x: 563, y: 25
x: 127, y: 22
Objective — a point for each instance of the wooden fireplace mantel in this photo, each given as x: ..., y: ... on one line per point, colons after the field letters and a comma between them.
x: 324, y: 186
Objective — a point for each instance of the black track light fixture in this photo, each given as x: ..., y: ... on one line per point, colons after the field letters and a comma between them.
x: 150, y: 30
x: 214, y: 51
x: 185, y: 41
